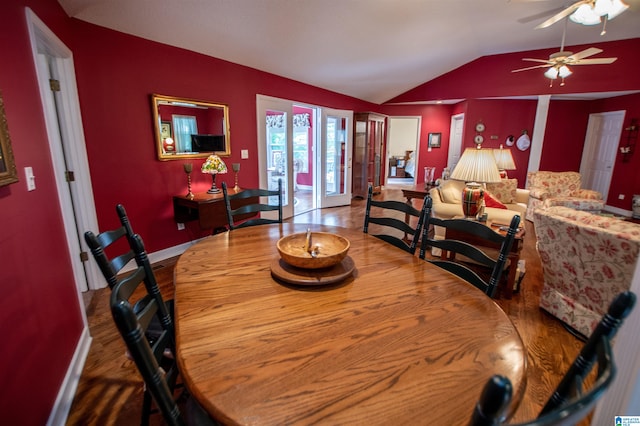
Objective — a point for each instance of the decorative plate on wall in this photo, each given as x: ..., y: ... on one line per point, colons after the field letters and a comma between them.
x: 523, y: 142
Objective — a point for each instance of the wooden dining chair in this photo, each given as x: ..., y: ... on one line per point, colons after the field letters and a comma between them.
x: 133, y: 317
x: 570, y: 402
x: 395, y: 219
x: 253, y: 208
x: 125, y: 246
x: 452, y: 248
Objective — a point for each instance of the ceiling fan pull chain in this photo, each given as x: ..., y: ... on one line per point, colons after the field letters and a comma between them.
x: 604, y: 25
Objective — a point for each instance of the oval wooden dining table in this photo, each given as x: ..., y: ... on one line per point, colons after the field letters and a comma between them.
x: 400, y: 341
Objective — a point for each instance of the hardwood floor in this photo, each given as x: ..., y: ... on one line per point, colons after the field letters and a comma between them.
x: 110, y: 389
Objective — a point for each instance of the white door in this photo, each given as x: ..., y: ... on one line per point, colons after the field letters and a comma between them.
x: 455, y: 140
x: 275, y: 148
x: 334, y: 170
x: 61, y: 108
x: 600, y: 150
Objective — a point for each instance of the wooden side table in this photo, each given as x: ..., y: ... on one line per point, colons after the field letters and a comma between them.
x: 208, y: 209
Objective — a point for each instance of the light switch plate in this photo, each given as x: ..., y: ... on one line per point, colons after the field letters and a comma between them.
x: 31, y: 179
x: 244, y: 154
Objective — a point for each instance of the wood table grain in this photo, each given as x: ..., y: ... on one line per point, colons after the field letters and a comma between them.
x: 400, y: 342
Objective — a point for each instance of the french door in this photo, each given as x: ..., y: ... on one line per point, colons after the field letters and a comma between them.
x: 335, y: 158
x: 308, y: 147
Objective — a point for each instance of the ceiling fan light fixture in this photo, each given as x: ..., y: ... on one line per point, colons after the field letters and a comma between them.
x: 564, y: 71
x: 617, y: 7
x: 551, y: 73
x: 586, y: 15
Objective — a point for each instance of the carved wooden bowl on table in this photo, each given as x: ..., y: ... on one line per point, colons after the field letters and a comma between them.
x: 312, y: 258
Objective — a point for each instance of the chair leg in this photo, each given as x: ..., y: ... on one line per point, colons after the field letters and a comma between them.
x: 146, y: 408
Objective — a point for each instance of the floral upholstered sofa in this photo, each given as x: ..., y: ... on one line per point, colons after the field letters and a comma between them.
x: 587, y: 259
x: 547, y: 189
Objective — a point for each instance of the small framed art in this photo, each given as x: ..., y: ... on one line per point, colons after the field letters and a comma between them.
x: 434, y: 140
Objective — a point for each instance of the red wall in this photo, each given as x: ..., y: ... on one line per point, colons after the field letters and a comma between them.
x: 39, y: 314
x: 501, y: 118
x: 120, y: 80
x: 435, y: 119
x: 491, y: 76
x: 564, y: 135
x: 626, y: 178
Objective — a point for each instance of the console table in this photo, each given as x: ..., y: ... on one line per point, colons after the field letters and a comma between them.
x: 208, y: 209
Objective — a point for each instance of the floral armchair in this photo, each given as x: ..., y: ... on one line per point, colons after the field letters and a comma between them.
x: 548, y: 189
x: 587, y: 259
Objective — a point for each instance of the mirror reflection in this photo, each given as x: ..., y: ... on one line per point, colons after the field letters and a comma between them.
x: 187, y: 128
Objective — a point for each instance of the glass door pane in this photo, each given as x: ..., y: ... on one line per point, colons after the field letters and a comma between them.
x: 277, y: 153
x: 336, y: 183
x: 304, y: 165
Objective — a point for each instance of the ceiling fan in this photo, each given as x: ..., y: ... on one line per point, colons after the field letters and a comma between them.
x: 588, y: 12
x: 558, y: 62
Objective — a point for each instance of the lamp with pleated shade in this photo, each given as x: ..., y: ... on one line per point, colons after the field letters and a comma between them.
x: 475, y: 167
x: 504, y: 161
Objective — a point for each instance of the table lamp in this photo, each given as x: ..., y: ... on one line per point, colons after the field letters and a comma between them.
x: 504, y: 161
x: 475, y: 167
x: 213, y: 166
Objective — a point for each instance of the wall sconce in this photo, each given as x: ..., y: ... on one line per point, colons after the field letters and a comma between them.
x: 632, y: 138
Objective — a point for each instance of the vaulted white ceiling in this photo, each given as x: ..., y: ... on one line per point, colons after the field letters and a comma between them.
x: 369, y: 49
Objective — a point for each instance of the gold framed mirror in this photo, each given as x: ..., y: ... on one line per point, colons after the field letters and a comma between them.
x: 189, y: 128
x: 8, y: 172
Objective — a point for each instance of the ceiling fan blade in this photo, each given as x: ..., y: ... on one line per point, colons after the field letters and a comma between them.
x: 530, y: 68
x: 540, y: 15
x: 546, y: 61
x: 566, y: 12
x: 585, y: 53
x: 595, y: 61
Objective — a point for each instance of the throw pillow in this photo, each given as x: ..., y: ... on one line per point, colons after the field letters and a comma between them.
x: 490, y: 201
x: 505, y: 190
x: 451, y: 191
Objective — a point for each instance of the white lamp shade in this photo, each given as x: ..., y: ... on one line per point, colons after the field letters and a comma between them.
x: 477, y: 165
x: 504, y: 159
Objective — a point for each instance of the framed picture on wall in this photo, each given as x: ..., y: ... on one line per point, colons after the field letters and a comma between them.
x: 8, y: 171
x: 434, y: 140
x: 165, y: 130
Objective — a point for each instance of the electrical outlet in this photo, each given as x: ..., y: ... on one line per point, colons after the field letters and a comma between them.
x: 244, y: 154
x: 621, y: 197
x: 180, y: 226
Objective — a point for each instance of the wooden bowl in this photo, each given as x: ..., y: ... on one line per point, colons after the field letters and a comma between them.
x: 331, y: 249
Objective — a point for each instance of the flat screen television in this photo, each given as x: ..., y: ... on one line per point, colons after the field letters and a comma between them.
x: 208, y: 143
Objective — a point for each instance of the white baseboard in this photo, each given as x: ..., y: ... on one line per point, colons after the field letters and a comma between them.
x: 617, y: 210
x: 67, y: 391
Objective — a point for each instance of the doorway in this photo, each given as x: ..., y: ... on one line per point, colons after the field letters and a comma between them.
x: 600, y: 150
x: 60, y: 103
x: 455, y: 141
x: 402, y: 150
x: 308, y: 148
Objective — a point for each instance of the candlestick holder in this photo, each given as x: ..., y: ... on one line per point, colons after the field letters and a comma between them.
x: 188, y: 168
x: 236, y: 169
